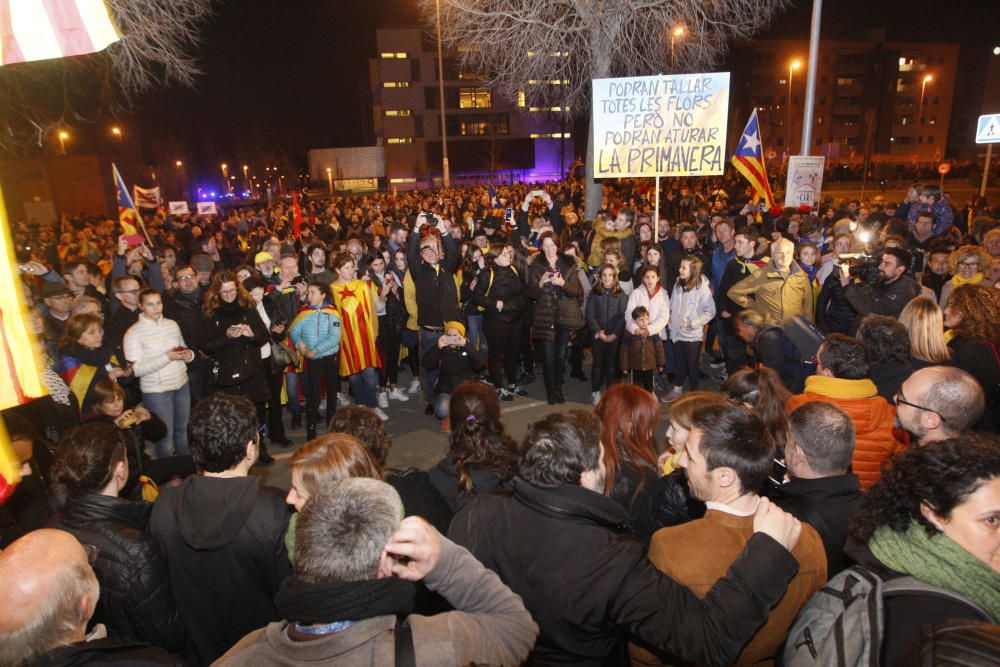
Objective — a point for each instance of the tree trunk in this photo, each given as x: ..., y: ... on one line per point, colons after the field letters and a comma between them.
x: 601, y: 69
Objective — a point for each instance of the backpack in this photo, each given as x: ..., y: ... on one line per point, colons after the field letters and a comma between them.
x: 843, y: 623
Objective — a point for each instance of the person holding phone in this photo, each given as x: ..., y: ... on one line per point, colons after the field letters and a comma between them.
x: 455, y: 360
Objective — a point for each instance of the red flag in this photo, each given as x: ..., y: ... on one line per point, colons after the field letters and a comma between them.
x: 297, y: 218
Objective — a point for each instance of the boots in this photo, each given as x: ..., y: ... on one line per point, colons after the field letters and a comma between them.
x: 557, y: 380
x: 550, y: 392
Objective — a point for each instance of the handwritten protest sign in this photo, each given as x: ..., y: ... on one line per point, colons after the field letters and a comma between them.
x: 805, y: 180
x: 660, y: 125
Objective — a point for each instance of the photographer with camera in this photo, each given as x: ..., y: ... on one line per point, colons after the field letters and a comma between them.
x: 889, y: 290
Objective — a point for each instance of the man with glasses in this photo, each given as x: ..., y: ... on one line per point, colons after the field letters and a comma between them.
x: 126, y: 290
x: 938, y: 403
x: 182, y: 304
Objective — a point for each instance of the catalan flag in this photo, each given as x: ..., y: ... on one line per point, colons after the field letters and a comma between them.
x: 44, y: 29
x: 128, y: 214
x: 749, y: 161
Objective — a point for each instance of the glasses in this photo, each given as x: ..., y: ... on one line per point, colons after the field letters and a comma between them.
x: 185, y: 278
x: 91, y: 552
x: 969, y: 264
x: 899, y: 398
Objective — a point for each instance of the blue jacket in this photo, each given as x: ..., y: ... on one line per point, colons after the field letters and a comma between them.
x: 318, y: 328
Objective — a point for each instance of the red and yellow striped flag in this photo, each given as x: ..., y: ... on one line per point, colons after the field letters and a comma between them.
x: 44, y: 29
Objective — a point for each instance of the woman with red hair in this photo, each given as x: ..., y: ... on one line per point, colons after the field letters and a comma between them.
x: 629, y: 415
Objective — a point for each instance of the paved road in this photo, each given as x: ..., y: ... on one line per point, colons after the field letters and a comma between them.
x: 418, y: 441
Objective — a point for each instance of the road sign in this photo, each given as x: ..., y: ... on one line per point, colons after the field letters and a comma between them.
x: 944, y: 168
x: 988, y: 129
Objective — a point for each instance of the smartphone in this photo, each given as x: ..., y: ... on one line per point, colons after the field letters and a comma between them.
x: 180, y: 348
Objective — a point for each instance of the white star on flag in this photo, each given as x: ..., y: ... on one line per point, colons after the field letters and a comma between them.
x: 750, y: 143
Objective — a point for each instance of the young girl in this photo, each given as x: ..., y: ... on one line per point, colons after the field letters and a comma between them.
x: 691, y: 308
x: 605, y: 314
x: 808, y: 257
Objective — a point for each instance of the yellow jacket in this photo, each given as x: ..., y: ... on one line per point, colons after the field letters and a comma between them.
x: 778, y: 298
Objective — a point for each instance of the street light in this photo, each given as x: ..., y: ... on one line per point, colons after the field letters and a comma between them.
x: 675, y: 34
x: 179, y: 163
x: 923, y: 86
x: 794, y: 65
x: 329, y: 178
x: 444, y: 128
x: 63, y: 136
x: 225, y: 177
x: 246, y: 177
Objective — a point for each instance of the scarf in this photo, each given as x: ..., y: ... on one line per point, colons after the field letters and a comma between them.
x: 840, y: 388
x: 305, y: 602
x: 958, y: 280
x: 938, y: 560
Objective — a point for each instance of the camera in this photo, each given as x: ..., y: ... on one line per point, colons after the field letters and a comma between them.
x: 863, y: 265
x: 428, y: 218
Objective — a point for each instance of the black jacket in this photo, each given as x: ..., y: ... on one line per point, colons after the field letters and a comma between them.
x: 243, y: 351
x: 419, y: 496
x: 136, y: 601
x: 437, y: 295
x: 107, y: 651
x: 546, y: 310
x: 224, y: 541
x: 444, y: 478
x: 455, y: 363
x: 889, y: 377
x: 637, y: 488
x: 586, y: 580
x: 501, y: 283
x: 185, y: 309
x: 605, y: 312
x: 979, y: 359
x: 774, y: 349
x: 888, y: 299
x: 833, y: 313
x: 826, y: 504
x: 116, y: 326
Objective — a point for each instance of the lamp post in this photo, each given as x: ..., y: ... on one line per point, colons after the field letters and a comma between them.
x: 246, y: 178
x: 329, y: 179
x: 182, y: 182
x: 675, y: 34
x: 446, y: 172
x: 923, y: 87
x: 794, y: 65
x: 225, y: 177
x: 63, y: 137
x: 117, y: 133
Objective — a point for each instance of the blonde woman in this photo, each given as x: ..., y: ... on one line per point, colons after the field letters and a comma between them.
x: 925, y: 324
x: 969, y: 265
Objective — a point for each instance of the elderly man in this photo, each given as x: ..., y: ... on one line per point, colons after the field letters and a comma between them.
x: 354, y: 564
x: 779, y: 291
x: 938, y: 403
x: 48, y: 593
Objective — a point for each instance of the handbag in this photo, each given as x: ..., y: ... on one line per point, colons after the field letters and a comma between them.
x: 281, y: 357
x: 233, y: 371
x: 569, y: 314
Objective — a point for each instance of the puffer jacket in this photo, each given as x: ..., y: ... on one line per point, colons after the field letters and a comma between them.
x: 228, y: 352
x: 873, y: 417
x: 696, y: 307
x: 146, y: 345
x: 501, y: 283
x: 778, y: 298
x: 606, y: 312
x: 136, y: 601
x: 546, y: 308
x: 658, y: 306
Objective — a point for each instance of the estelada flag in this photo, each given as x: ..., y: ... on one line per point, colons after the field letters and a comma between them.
x: 748, y: 160
x: 43, y: 29
x: 128, y: 216
x: 297, y: 217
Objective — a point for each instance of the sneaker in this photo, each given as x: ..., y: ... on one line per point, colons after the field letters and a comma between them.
x: 518, y: 391
x: 723, y: 375
x: 595, y: 396
x: 526, y: 378
x: 342, y: 400
x: 717, y: 362
x: 674, y: 394
x: 505, y: 395
x: 398, y: 394
x: 383, y: 399
x: 414, y: 386
x: 381, y: 415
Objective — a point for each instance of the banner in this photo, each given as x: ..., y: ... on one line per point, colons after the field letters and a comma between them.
x: 660, y: 125
x: 178, y: 208
x: 207, y: 208
x: 805, y: 180
x: 146, y: 197
x: 40, y: 30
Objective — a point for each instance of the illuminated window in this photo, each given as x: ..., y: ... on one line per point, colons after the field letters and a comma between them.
x: 468, y: 75
x: 399, y: 140
x: 551, y: 135
x: 402, y: 180
x: 396, y: 84
x: 390, y: 55
x: 551, y: 82
x: 398, y: 112
x: 474, y: 127
x: 520, y: 98
x: 548, y: 109
x: 474, y: 98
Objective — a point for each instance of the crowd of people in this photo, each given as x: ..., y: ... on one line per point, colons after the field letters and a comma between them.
x: 852, y: 438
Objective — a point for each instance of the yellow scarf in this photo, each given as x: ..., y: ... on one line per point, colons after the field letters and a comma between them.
x: 958, y: 280
x: 840, y: 388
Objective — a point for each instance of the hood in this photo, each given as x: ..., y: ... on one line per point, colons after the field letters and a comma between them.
x: 869, y: 413
x: 211, y: 511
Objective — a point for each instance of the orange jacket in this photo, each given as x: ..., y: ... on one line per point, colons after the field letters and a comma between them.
x: 872, y: 415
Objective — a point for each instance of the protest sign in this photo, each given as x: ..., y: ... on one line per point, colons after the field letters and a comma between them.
x: 146, y: 197
x: 805, y: 180
x: 660, y: 125
x: 178, y: 208
x: 207, y: 208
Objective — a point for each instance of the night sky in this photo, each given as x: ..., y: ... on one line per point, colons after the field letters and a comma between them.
x: 283, y: 76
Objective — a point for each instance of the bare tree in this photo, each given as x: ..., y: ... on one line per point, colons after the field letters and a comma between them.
x: 157, y: 47
x: 551, y: 49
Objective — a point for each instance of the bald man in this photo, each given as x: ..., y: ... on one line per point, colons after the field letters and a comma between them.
x: 779, y: 291
x: 48, y: 593
x: 937, y: 403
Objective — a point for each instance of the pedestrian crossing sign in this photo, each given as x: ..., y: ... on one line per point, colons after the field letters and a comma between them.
x: 988, y: 129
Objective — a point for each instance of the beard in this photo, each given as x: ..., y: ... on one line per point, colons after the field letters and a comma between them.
x: 914, y: 431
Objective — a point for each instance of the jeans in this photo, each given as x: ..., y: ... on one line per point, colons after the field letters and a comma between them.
x: 554, y: 358
x: 363, y: 386
x: 428, y: 379
x: 292, y: 391
x: 174, y: 408
x: 475, y: 333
